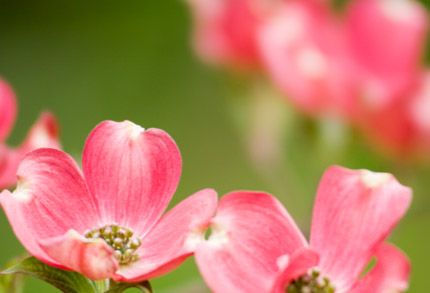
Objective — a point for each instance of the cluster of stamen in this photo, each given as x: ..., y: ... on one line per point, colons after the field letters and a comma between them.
x: 311, y: 282
x: 120, y: 238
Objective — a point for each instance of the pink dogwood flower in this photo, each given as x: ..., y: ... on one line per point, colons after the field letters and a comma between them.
x: 225, y: 30
x: 107, y: 220
x: 44, y: 133
x: 344, y: 64
x: 387, y: 40
x: 255, y: 246
x: 304, y: 53
x: 403, y: 127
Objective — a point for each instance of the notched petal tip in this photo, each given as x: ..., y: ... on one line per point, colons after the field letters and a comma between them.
x: 133, y: 130
x: 193, y: 238
x: 374, y: 179
x: 379, y: 180
x: 219, y: 236
x: 369, y: 179
x: 198, y: 229
x: 43, y: 134
x: 23, y: 190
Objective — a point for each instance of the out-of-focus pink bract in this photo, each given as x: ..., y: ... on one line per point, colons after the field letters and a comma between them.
x: 386, y: 39
x: 225, y: 30
x: 303, y: 51
x: 107, y: 221
x: 402, y: 128
x: 44, y: 133
x: 255, y: 246
x: 364, y: 66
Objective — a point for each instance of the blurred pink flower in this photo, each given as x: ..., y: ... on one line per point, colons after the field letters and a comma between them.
x: 225, y: 30
x: 364, y: 65
x: 303, y: 52
x: 44, y: 133
x: 343, y: 65
x: 106, y: 222
x: 419, y: 111
x: 403, y: 127
x: 255, y: 246
x: 387, y: 40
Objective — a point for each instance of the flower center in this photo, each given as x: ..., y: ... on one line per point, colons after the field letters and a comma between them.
x: 311, y: 282
x: 120, y: 238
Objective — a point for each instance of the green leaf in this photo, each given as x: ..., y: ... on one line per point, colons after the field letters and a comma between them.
x: 66, y: 281
x: 144, y: 286
x: 12, y: 283
x: 102, y: 285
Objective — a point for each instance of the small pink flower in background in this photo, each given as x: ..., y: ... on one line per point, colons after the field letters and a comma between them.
x: 363, y: 65
x: 225, y: 30
x: 387, y: 41
x: 7, y: 109
x: 106, y: 222
x: 303, y: 52
x: 403, y: 127
x: 340, y: 64
x: 255, y: 246
x: 419, y: 112
x: 362, y: 62
x: 44, y: 133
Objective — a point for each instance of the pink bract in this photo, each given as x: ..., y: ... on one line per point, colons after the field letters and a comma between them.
x: 403, y: 127
x: 225, y: 30
x: 391, y: 104
x: 44, y: 133
x: 255, y: 246
x: 65, y: 217
x: 373, y: 28
x: 303, y: 52
x: 344, y: 64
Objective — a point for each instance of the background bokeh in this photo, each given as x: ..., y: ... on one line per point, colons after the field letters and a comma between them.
x: 89, y: 61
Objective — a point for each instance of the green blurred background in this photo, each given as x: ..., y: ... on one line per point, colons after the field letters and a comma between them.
x: 88, y: 61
